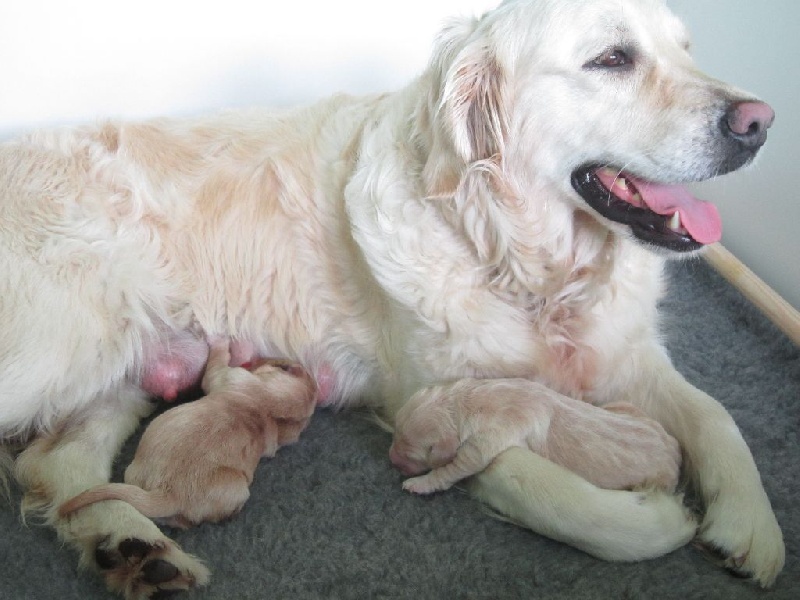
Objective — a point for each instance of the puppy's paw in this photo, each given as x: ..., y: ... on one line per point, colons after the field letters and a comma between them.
x: 740, y: 533
x: 420, y: 485
x: 141, y: 569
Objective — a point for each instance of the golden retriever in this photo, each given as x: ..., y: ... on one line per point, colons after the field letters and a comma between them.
x: 455, y: 430
x: 195, y: 463
x: 504, y: 215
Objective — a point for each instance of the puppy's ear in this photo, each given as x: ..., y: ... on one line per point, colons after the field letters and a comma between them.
x: 469, y: 113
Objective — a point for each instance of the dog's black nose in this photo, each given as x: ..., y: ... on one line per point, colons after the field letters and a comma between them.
x: 747, y: 122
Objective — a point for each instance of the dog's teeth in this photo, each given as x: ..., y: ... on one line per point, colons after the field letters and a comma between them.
x: 615, y: 175
x: 675, y: 222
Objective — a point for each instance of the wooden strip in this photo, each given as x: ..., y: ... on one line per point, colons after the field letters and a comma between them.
x: 767, y: 300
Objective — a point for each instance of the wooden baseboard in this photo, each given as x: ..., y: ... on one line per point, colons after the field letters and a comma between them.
x: 767, y: 300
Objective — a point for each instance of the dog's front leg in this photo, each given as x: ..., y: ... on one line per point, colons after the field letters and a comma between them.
x: 739, y: 522
x: 132, y: 553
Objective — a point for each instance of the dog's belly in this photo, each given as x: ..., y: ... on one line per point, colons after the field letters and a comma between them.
x: 174, y: 366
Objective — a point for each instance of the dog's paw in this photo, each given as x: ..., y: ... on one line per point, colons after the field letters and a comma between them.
x: 136, y: 559
x: 740, y: 532
x: 150, y: 569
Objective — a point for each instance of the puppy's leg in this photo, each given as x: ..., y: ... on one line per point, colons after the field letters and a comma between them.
x: 289, y: 431
x: 491, y: 417
x: 739, y: 522
x: 132, y: 553
x: 217, y: 368
x: 608, y: 524
x: 225, y: 496
x: 473, y: 456
x: 293, y: 402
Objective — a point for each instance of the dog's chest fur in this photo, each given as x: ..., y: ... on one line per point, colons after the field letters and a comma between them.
x: 555, y: 339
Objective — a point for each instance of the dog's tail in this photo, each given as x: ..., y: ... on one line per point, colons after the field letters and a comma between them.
x: 153, y: 504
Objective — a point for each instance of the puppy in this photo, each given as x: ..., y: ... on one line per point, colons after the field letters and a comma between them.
x: 457, y: 430
x: 196, y: 462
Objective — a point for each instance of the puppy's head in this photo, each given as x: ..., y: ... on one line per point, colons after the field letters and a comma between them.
x: 425, y: 436
x: 285, y: 378
x: 590, y: 106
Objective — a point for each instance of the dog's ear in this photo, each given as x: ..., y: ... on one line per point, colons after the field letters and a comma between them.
x: 474, y: 103
x: 469, y: 116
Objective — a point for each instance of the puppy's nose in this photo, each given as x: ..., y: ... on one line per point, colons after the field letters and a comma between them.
x: 747, y: 122
x: 401, y: 462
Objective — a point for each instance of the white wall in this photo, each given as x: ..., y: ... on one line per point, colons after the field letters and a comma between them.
x: 72, y: 61
x: 756, y: 45
x: 66, y: 61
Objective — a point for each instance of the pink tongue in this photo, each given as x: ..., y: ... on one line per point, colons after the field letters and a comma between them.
x: 701, y: 219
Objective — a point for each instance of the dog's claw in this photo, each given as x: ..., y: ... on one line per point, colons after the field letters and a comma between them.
x: 732, y: 564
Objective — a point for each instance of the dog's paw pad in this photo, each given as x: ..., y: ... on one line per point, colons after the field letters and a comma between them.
x: 159, y: 571
x: 164, y: 594
x: 133, y: 549
x: 106, y: 559
x: 151, y: 569
x: 130, y: 551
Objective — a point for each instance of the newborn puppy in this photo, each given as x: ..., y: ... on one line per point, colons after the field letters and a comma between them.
x: 196, y: 461
x: 457, y: 430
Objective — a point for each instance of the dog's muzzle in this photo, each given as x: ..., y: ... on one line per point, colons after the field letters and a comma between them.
x: 665, y: 215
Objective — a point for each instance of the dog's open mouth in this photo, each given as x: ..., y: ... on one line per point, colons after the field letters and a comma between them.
x: 664, y: 215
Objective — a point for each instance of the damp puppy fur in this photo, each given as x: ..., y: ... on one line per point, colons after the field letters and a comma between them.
x: 195, y: 462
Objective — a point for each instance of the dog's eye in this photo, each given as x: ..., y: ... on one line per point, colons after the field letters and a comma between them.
x: 613, y: 58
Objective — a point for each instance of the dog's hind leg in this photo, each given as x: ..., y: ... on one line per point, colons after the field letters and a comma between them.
x: 135, y: 557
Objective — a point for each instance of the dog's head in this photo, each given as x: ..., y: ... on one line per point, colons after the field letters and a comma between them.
x: 590, y: 106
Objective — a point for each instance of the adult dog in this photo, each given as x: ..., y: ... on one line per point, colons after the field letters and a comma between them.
x: 460, y: 227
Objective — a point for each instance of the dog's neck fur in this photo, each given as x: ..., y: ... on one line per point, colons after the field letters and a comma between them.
x: 551, y: 260
x: 460, y: 106
x: 504, y: 225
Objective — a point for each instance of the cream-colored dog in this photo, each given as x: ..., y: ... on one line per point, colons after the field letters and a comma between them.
x: 196, y: 462
x: 457, y: 430
x: 505, y: 215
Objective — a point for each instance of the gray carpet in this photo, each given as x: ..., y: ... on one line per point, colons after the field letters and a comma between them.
x: 328, y: 519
